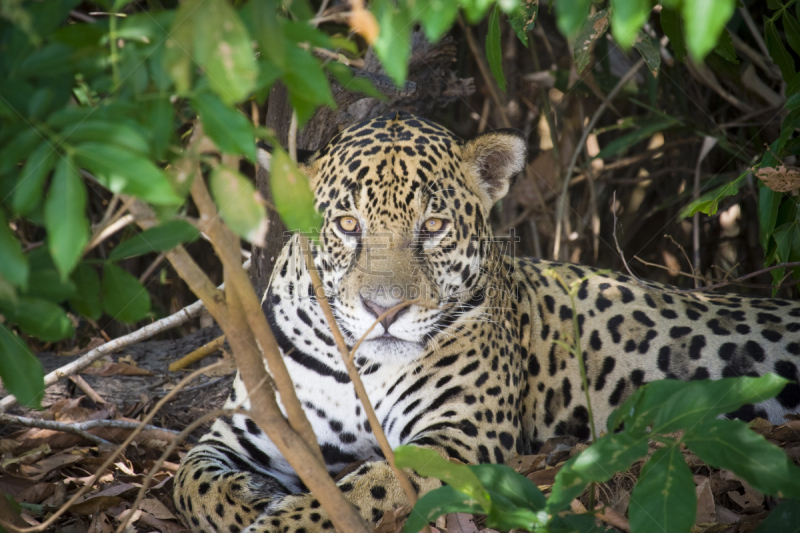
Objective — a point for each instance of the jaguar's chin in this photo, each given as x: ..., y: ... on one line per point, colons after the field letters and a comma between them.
x: 389, y: 348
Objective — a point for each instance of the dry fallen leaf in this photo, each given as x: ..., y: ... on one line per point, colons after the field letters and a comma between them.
x: 706, y: 510
x: 117, y: 369
x: 781, y: 179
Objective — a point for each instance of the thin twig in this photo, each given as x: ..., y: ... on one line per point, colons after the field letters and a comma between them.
x: 198, y: 354
x: 579, y: 148
x: 110, y: 459
x: 78, y: 428
x: 352, y: 371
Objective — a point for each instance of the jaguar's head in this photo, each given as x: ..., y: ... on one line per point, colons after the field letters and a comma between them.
x: 406, y: 206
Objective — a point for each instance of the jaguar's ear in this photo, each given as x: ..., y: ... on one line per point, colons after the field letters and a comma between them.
x: 496, y: 157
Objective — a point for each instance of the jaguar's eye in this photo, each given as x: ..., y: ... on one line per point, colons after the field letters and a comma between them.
x: 434, y: 225
x: 348, y: 225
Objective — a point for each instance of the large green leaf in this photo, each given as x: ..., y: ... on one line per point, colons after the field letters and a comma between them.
x: 792, y: 29
x: 306, y: 82
x: 493, y: 51
x: 124, y: 171
x: 179, y: 47
x: 159, y: 239
x: 428, y: 463
x: 664, y: 497
x: 65, y: 217
x: 436, y: 503
x: 20, y: 371
x: 778, y: 51
x: 239, y: 204
x: 40, y: 318
x: 608, y: 455
x: 672, y: 25
x: 705, y: 20
x: 86, y: 299
x: 228, y: 128
x: 516, y: 502
x: 698, y: 401
x: 732, y: 445
x: 644, y: 130
x: 393, y: 45
x: 30, y: 183
x: 785, y: 518
x: 124, y: 298
x: 109, y: 131
x: 571, y: 15
x: 437, y: 16
x: 222, y: 47
x: 627, y: 18
x: 14, y: 264
x: 709, y: 202
x: 592, y: 30
x: 292, y: 194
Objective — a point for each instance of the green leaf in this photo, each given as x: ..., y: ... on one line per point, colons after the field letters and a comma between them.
x: 768, y: 203
x: 705, y: 21
x: 179, y: 47
x: 239, y: 204
x: 650, y: 52
x: 725, y: 48
x: 40, y: 318
x: 20, y: 371
x: 222, y: 47
x: 344, y: 75
x: 307, y: 84
x: 109, y: 131
x: 672, y: 25
x: 792, y: 29
x: 393, y: 44
x: 159, y: 239
x: 14, y: 265
x: 570, y: 15
x: 777, y: 51
x: 695, y: 402
x: 44, y: 280
x: 18, y: 148
x: 595, y: 28
x: 523, y: 18
x: 294, y: 199
x: 65, y: 217
x: 731, y: 444
x: 475, y: 10
x: 627, y: 18
x: 608, y: 455
x: 436, y: 503
x: 664, y: 497
x: 502, y: 479
x: 230, y: 130
x: 428, y: 463
x: 124, y: 298
x: 785, y: 518
x: 86, y: 299
x: 493, y: 51
x: 709, y: 202
x: 30, y: 184
x: 436, y: 17
x: 124, y: 171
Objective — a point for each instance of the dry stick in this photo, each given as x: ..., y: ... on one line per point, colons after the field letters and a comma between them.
x: 639, y: 282
x: 265, y: 412
x: 223, y: 241
x: 198, y: 354
x: 352, y: 371
x: 579, y: 148
x: 157, y: 465
x: 181, y: 317
x: 487, y: 77
x: 79, y: 428
x: 111, y: 458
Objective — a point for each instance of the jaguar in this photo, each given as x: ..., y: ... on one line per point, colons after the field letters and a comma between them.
x: 472, y: 366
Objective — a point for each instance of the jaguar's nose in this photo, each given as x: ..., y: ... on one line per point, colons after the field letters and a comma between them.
x: 377, y: 310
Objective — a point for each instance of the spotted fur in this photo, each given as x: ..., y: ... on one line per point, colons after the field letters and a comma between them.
x: 472, y: 370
